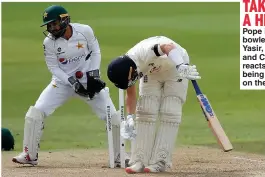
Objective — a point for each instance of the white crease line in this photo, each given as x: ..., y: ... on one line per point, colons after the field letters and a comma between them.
x: 247, y: 159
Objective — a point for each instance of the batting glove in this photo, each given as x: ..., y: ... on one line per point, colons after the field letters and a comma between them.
x: 188, y: 71
x: 127, y: 128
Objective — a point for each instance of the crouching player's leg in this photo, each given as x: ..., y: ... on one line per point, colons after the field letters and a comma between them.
x: 33, y: 128
x: 173, y: 99
x: 146, y: 115
x: 147, y: 110
x: 34, y: 121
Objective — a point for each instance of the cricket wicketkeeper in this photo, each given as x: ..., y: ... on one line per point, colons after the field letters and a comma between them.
x: 163, y: 68
x: 73, y: 57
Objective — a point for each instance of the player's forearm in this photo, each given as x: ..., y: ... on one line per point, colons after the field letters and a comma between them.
x: 172, y: 52
x: 95, y: 55
x: 95, y: 61
x: 131, y: 100
x: 131, y: 104
x: 60, y: 74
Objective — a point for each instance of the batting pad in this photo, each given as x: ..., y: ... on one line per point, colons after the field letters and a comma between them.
x: 167, y: 132
x: 147, y: 110
x: 33, y: 128
x: 148, y: 105
x: 143, y: 143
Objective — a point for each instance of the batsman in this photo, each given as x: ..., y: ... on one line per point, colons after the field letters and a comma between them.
x: 162, y: 66
x: 73, y: 57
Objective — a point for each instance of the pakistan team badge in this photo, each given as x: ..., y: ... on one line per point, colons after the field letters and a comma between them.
x: 79, y: 45
x: 45, y: 15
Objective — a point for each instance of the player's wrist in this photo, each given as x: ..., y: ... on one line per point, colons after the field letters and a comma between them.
x: 179, y: 65
x: 75, y: 84
x: 72, y: 80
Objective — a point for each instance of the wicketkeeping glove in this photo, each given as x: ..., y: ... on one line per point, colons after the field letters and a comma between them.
x: 188, y: 71
x: 78, y: 87
x: 94, y: 86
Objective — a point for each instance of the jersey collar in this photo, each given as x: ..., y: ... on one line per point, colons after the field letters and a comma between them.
x: 74, y: 32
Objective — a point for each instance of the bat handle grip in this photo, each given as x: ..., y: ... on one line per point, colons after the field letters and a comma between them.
x: 196, y: 87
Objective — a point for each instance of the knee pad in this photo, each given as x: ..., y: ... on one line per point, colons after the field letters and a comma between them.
x: 147, y: 108
x: 171, y: 109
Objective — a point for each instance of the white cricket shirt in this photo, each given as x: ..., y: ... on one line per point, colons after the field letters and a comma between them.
x: 145, y: 58
x: 80, y: 53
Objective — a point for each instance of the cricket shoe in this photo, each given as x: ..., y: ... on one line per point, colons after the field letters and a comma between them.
x: 24, y: 158
x: 156, y: 168
x: 137, y: 167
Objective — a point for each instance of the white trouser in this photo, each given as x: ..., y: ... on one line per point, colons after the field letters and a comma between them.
x: 164, y: 84
x: 56, y: 94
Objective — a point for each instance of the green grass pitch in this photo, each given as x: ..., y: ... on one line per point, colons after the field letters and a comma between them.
x: 209, y: 32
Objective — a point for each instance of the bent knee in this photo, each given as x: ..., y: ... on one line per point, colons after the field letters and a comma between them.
x: 147, y: 107
x: 47, y: 110
x: 171, y: 109
x: 34, y: 113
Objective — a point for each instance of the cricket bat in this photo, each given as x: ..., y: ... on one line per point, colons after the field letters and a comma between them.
x: 212, y: 120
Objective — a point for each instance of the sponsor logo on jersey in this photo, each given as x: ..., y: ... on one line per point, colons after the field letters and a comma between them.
x: 155, y: 69
x: 63, y: 61
x: 59, y: 51
x: 71, y: 60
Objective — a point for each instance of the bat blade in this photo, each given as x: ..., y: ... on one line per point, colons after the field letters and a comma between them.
x: 214, y: 123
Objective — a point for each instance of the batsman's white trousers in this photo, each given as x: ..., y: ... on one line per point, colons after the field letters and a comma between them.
x: 56, y: 94
x: 163, y: 84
